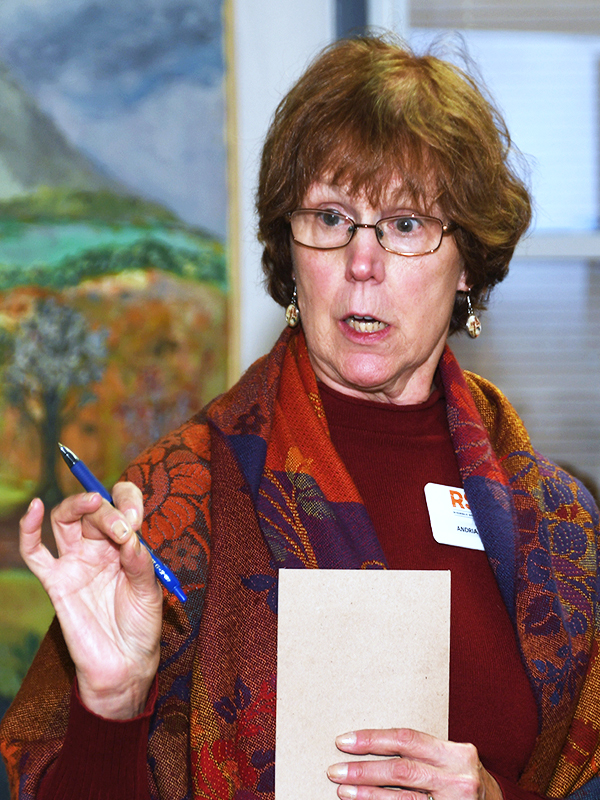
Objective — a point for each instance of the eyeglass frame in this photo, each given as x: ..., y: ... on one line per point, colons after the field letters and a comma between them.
x: 447, y: 228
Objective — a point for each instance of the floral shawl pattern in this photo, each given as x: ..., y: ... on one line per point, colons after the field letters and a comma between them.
x: 253, y: 484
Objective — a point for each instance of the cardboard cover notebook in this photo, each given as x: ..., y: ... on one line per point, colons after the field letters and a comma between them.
x: 356, y: 649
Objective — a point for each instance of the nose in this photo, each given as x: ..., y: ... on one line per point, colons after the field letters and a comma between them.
x: 365, y: 258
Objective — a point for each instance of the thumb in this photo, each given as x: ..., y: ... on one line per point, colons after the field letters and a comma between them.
x: 137, y: 565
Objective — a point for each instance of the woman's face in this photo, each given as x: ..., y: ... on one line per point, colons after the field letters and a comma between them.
x: 408, y: 300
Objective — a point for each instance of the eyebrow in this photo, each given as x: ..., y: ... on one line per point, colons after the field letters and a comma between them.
x: 397, y: 199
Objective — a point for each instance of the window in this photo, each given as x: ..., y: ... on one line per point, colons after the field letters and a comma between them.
x: 541, y: 335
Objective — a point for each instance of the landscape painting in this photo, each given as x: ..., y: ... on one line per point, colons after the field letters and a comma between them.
x: 113, y: 268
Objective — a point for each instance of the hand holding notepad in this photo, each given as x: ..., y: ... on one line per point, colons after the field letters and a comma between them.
x: 356, y: 649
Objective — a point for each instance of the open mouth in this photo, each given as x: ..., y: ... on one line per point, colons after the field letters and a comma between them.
x: 365, y: 324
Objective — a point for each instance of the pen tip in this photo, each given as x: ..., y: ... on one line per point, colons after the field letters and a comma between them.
x: 68, y: 455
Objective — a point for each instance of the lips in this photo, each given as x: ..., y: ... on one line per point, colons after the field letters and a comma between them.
x: 365, y: 324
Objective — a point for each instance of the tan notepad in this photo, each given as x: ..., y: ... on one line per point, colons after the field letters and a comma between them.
x: 356, y: 649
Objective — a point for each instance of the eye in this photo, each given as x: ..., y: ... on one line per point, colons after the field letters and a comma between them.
x: 330, y: 219
x: 408, y: 225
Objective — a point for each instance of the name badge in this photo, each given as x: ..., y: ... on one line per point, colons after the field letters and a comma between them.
x: 450, y: 516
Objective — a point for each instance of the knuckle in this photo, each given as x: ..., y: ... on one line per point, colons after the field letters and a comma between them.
x: 407, y: 771
x: 367, y: 739
x: 398, y: 770
x: 470, y: 755
x: 128, y: 488
x: 128, y: 497
x: 468, y: 785
x: 405, y: 738
x: 358, y: 771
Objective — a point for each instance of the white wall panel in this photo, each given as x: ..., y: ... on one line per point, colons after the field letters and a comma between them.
x: 393, y: 15
x: 546, y: 85
x: 273, y: 41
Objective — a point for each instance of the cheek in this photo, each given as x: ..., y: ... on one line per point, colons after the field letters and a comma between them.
x: 315, y: 284
x: 314, y: 304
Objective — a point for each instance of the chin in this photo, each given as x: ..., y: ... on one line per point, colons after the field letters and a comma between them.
x: 366, y: 380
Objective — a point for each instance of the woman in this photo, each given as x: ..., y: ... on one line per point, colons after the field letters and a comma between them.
x: 388, y: 208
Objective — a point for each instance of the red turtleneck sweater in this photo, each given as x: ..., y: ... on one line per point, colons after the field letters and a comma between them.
x: 391, y: 453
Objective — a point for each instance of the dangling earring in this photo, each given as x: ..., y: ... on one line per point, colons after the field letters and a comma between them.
x: 473, y: 324
x: 292, y: 312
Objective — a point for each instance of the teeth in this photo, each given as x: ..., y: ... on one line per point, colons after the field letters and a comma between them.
x: 365, y: 324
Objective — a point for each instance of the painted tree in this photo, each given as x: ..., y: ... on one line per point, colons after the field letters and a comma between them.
x: 56, y: 358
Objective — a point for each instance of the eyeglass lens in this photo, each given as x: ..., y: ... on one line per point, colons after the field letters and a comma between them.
x: 406, y: 235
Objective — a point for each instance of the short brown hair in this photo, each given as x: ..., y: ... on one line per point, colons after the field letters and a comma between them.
x: 368, y: 110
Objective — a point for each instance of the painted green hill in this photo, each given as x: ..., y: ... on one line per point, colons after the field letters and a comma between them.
x: 59, y: 204
x: 56, y: 238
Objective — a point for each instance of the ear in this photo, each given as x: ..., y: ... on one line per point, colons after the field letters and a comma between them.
x: 462, y: 282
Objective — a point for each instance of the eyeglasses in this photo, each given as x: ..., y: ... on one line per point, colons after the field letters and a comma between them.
x: 407, y: 235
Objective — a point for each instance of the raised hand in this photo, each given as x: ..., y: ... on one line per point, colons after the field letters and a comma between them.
x: 422, y: 766
x: 104, y: 591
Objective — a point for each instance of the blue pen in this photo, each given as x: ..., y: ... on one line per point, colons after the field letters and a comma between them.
x: 91, y: 484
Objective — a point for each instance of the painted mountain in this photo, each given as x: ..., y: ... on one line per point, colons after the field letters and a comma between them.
x: 33, y: 152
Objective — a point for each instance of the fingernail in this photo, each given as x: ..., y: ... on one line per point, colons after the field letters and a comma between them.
x: 347, y: 791
x: 346, y: 739
x: 338, y: 771
x: 132, y: 517
x: 120, y: 529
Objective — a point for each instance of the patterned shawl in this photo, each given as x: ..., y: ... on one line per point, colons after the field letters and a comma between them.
x: 253, y: 484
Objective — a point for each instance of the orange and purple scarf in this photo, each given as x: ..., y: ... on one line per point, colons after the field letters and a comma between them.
x: 253, y: 484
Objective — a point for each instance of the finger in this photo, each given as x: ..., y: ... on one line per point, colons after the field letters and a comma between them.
x: 392, y: 742
x: 127, y: 497
x: 66, y: 518
x: 347, y: 792
x: 399, y: 772
x: 457, y: 758
x: 36, y: 555
x: 88, y: 516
